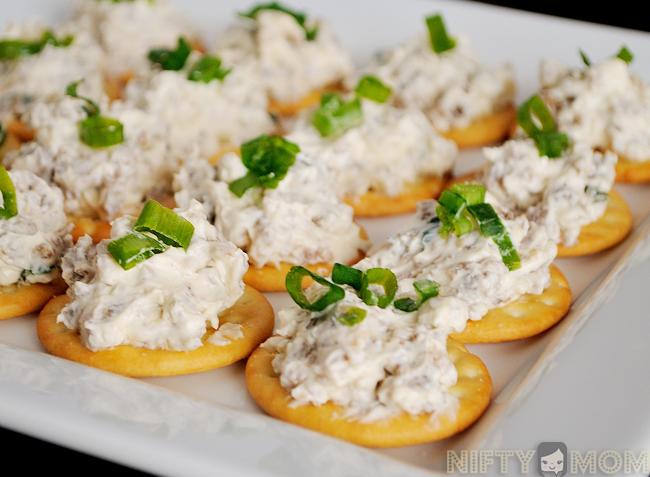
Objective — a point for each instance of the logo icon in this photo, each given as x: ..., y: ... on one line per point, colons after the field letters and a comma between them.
x: 552, y: 459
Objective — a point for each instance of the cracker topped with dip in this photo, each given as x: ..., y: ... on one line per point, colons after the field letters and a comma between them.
x: 366, y: 366
x: 162, y: 297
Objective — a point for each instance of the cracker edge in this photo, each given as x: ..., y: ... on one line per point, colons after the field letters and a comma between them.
x: 17, y: 300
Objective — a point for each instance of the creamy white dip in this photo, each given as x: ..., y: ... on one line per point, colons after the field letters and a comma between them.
x: 390, y: 148
x: 290, y: 65
x: 453, y: 88
x: 470, y: 270
x: 390, y: 363
x: 33, y: 241
x: 300, y: 222
x: 45, y: 75
x: 562, y: 194
x: 603, y: 105
x: 166, y: 302
x: 128, y: 30
x: 209, y: 117
x: 97, y: 182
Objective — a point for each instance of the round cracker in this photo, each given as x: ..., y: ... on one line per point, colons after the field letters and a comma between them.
x: 17, y: 300
x: 97, y: 229
x: 522, y: 318
x: 610, y: 229
x: 11, y: 143
x: 252, y: 311
x: 376, y: 204
x: 473, y: 390
x: 487, y: 130
x: 632, y: 171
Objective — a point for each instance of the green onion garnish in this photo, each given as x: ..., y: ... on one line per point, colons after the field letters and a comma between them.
x: 207, y: 69
x: 9, y: 207
x: 352, y: 316
x: 491, y: 226
x: 425, y: 289
x: 625, y: 55
x: 550, y: 143
x: 172, y: 60
x: 372, y: 88
x: 267, y: 158
x: 3, y: 134
x: 156, y: 229
x: 293, y: 284
x: 378, y: 277
x: 346, y: 275
x: 334, y: 116
x: 169, y: 227
x: 134, y: 248
x: 12, y: 49
x: 585, y: 58
x: 440, y: 41
x: 96, y: 131
x: 301, y: 18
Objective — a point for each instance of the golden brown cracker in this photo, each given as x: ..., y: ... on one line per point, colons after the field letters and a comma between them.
x: 487, y: 130
x: 522, y: 318
x: 609, y: 230
x: 252, y: 311
x: 17, y: 300
x: 632, y: 171
x: 473, y: 390
x: 11, y: 143
x: 376, y: 204
x: 20, y: 130
x: 97, y: 229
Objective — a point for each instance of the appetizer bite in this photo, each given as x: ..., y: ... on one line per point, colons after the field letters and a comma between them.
x: 604, y: 105
x: 485, y: 260
x: 297, y: 57
x: 466, y: 100
x: 37, y: 63
x: 34, y: 234
x: 278, y: 205
x: 210, y: 109
x: 164, y: 296
x: 384, y: 159
x: 352, y: 362
x: 107, y: 161
x: 127, y: 30
x: 565, y: 186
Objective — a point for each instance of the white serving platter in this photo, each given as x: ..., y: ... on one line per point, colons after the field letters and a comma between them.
x: 584, y: 382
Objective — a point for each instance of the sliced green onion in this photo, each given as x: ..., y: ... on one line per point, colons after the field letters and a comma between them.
x: 491, y: 226
x: 268, y: 159
x: 207, y: 69
x: 12, y: 49
x: 345, y: 275
x: 334, y: 116
x: 440, y: 41
x: 352, y: 316
x: 453, y: 201
x: 92, y: 108
x: 372, y: 88
x: 293, y: 284
x: 3, y: 134
x: 170, y: 228
x: 550, y: 143
x: 134, y: 248
x: 451, y: 222
x: 472, y: 193
x: 9, y: 207
x: 585, y: 58
x: 301, y: 18
x: 625, y: 55
x: 172, y: 60
x: 425, y: 289
x: 381, y: 277
x: 100, y: 131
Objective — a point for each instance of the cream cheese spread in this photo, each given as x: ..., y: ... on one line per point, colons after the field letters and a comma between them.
x: 33, y: 241
x: 470, y: 270
x: 97, y: 182
x: 166, y: 302
x: 300, y: 222
x: 211, y: 117
x: 46, y: 74
x: 454, y: 88
x: 562, y: 194
x: 390, y: 148
x: 603, y: 105
x: 290, y: 65
x: 128, y: 30
x: 389, y: 363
